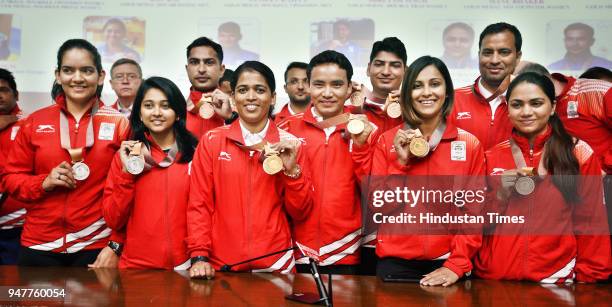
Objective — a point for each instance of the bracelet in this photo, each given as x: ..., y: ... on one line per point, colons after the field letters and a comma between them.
x: 116, y: 247
x: 198, y: 259
x: 296, y: 175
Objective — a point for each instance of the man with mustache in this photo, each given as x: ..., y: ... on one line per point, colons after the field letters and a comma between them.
x: 297, y: 88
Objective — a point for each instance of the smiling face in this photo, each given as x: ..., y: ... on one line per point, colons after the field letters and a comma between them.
x: 386, y: 72
x: 114, y: 34
x: 529, y: 109
x: 329, y: 89
x: 125, y: 80
x: 204, y: 69
x: 497, y: 58
x: 253, y: 97
x: 78, y: 76
x: 156, y: 113
x: 429, y: 93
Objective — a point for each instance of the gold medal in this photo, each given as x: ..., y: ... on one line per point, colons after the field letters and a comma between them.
x: 419, y: 147
x: 272, y: 164
x: 524, y: 185
x: 81, y: 171
x: 394, y: 110
x: 355, y: 126
x: 206, y: 109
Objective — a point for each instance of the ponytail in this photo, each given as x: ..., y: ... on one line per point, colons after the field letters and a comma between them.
x: 561, y: 161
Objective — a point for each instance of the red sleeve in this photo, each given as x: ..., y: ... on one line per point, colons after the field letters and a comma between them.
x: 118, y: 198
x: 201, y: 201
x: 465, y: 246
x: 299, y: 193
x: 593, y: 261
x: 18, y: 177
x: 607, y: 156
x: 362, y: 155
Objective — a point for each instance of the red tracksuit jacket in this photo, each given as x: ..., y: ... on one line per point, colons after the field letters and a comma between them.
x: 152, y: 209
x: 334, y: 227
x: 471, y: 112
x: 591, y: 121
x: 238, y: 212
x: 456, y: 249
x: 546, y: 257
x: 12, y: 211
x: 284, y: 113
x: 378, y: 116
x: 197, y: 125
x: 63, y: 220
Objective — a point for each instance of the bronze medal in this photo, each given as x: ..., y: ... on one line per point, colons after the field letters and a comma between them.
x: 272, y: 164
x: 206, y: 109
x: 524, y: 185
x: 394, y: 110
x: 81, y: 171
x: 419, y: 147
x: 357, y: 99
x: 355, y: 126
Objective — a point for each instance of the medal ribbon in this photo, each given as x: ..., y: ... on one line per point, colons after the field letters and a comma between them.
x: 519, y: 160
x: 76, y: 154
x: 500, y: 89
x: 166, y: 162
x: 333, y: 121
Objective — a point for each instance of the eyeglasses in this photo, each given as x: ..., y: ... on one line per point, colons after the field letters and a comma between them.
x: 121, y: 77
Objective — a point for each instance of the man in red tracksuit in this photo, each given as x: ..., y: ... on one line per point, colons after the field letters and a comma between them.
x: 12, y: 211
x: 484, y: 101
x: 204, y: 69
x: 297, y: 88
x: 334, y: 226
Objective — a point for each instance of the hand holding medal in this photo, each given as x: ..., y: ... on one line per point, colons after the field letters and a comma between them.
x: 519, y: 180
x: 206, y: 109
x: 272, y: 163
x: 360, y: 128
x: 287, y: 151
x: 358, y: 96
x: 392, y: 106
x: 60, y: 176
x: 132, y: 157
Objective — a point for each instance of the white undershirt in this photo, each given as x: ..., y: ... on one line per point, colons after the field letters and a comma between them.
x: 251, y: 139
x: 493, y: 103
x: 328, y: 131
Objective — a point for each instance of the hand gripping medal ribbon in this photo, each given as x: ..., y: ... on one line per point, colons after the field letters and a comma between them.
x: 419, y: 147
x: 135, y: 163
x: 81, y: 170
x: 272, y: 164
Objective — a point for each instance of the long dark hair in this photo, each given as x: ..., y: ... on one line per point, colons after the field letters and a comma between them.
x: 409, y: 114
x: 559, y: 158
x: 184, y: 139
x: 77, y: 43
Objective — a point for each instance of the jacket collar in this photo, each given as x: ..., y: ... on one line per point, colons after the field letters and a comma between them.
x: 569, y: 82
x: 196, y: 95
x: 538, y: 143
x: 235, y: 133
x: 60, y: 101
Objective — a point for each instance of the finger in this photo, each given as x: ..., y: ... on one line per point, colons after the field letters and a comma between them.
x: 64, y: 165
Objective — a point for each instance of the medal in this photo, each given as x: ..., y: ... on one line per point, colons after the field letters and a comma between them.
x: 524, y: 185
x: 419, y: 147
x: 355, y: 126
x: 206, y: 109
x: 394, y: 110
x: 357, y: 99
x: 272, y: 164
x: 135, y: 163
x: 81, y: 171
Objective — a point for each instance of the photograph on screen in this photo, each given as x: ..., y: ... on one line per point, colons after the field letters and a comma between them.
x: 579, y: 45
x: 116, y: 37
x: 10, y: 37
x: 352, y: 37
x: 239, y: 38
x: 458, y: 43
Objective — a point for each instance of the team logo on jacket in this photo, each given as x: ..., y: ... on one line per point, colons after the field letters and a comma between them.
x: 497, y: 171
x: 572, y: 109
x: 225, y: 156
x: 464, y: 115
x: 45, y: 129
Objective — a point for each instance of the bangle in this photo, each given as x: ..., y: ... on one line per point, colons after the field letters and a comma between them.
x: 116, y: 247
x: 295, y: 175
x: 198, y: 259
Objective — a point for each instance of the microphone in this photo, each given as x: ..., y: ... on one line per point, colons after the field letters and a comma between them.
x: 324, y: 298
x: 228, y: 267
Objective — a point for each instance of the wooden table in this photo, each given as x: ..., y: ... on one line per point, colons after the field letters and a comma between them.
x: 105, y: 287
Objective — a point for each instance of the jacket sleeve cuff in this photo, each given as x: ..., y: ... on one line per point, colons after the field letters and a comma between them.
x: 457, y: 270
x: 199, y: 252
x: 38, y: 191
x: 401, y: 167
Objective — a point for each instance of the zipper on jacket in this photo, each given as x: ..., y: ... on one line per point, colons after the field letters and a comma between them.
x: 248, y: 207
x: 167, y: 222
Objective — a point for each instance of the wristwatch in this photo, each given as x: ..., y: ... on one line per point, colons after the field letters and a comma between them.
x: 198, y: 259
x: 116, y: 247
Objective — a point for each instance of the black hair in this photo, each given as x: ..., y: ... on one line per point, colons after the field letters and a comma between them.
x: 499, y: 28
x: 230, y: 27
x: 185, y: 141
x: 77, y: 43
x: 292, y: 65
x: 10, y: 79
x: 115, y: 21
x: 126, y: 61
x: 392, y: 45
x: 597, y: 73
x: 559, y: 158
x: 260, y: 68
x: 331, y: 57
x: 206, y: 42
x: 228, y: 75
x: 580, y: 26
x: 459, y: 25
x: 409, y: 114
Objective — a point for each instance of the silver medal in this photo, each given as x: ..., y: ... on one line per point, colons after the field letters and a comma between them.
x: 81, y: 171
x: 135, y: 165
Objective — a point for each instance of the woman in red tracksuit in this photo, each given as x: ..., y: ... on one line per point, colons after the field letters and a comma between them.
x: 564, y: 234
x: 431, y: 258
x: 236, y: 211
x: 151, y: 206
x: 59, y: 163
